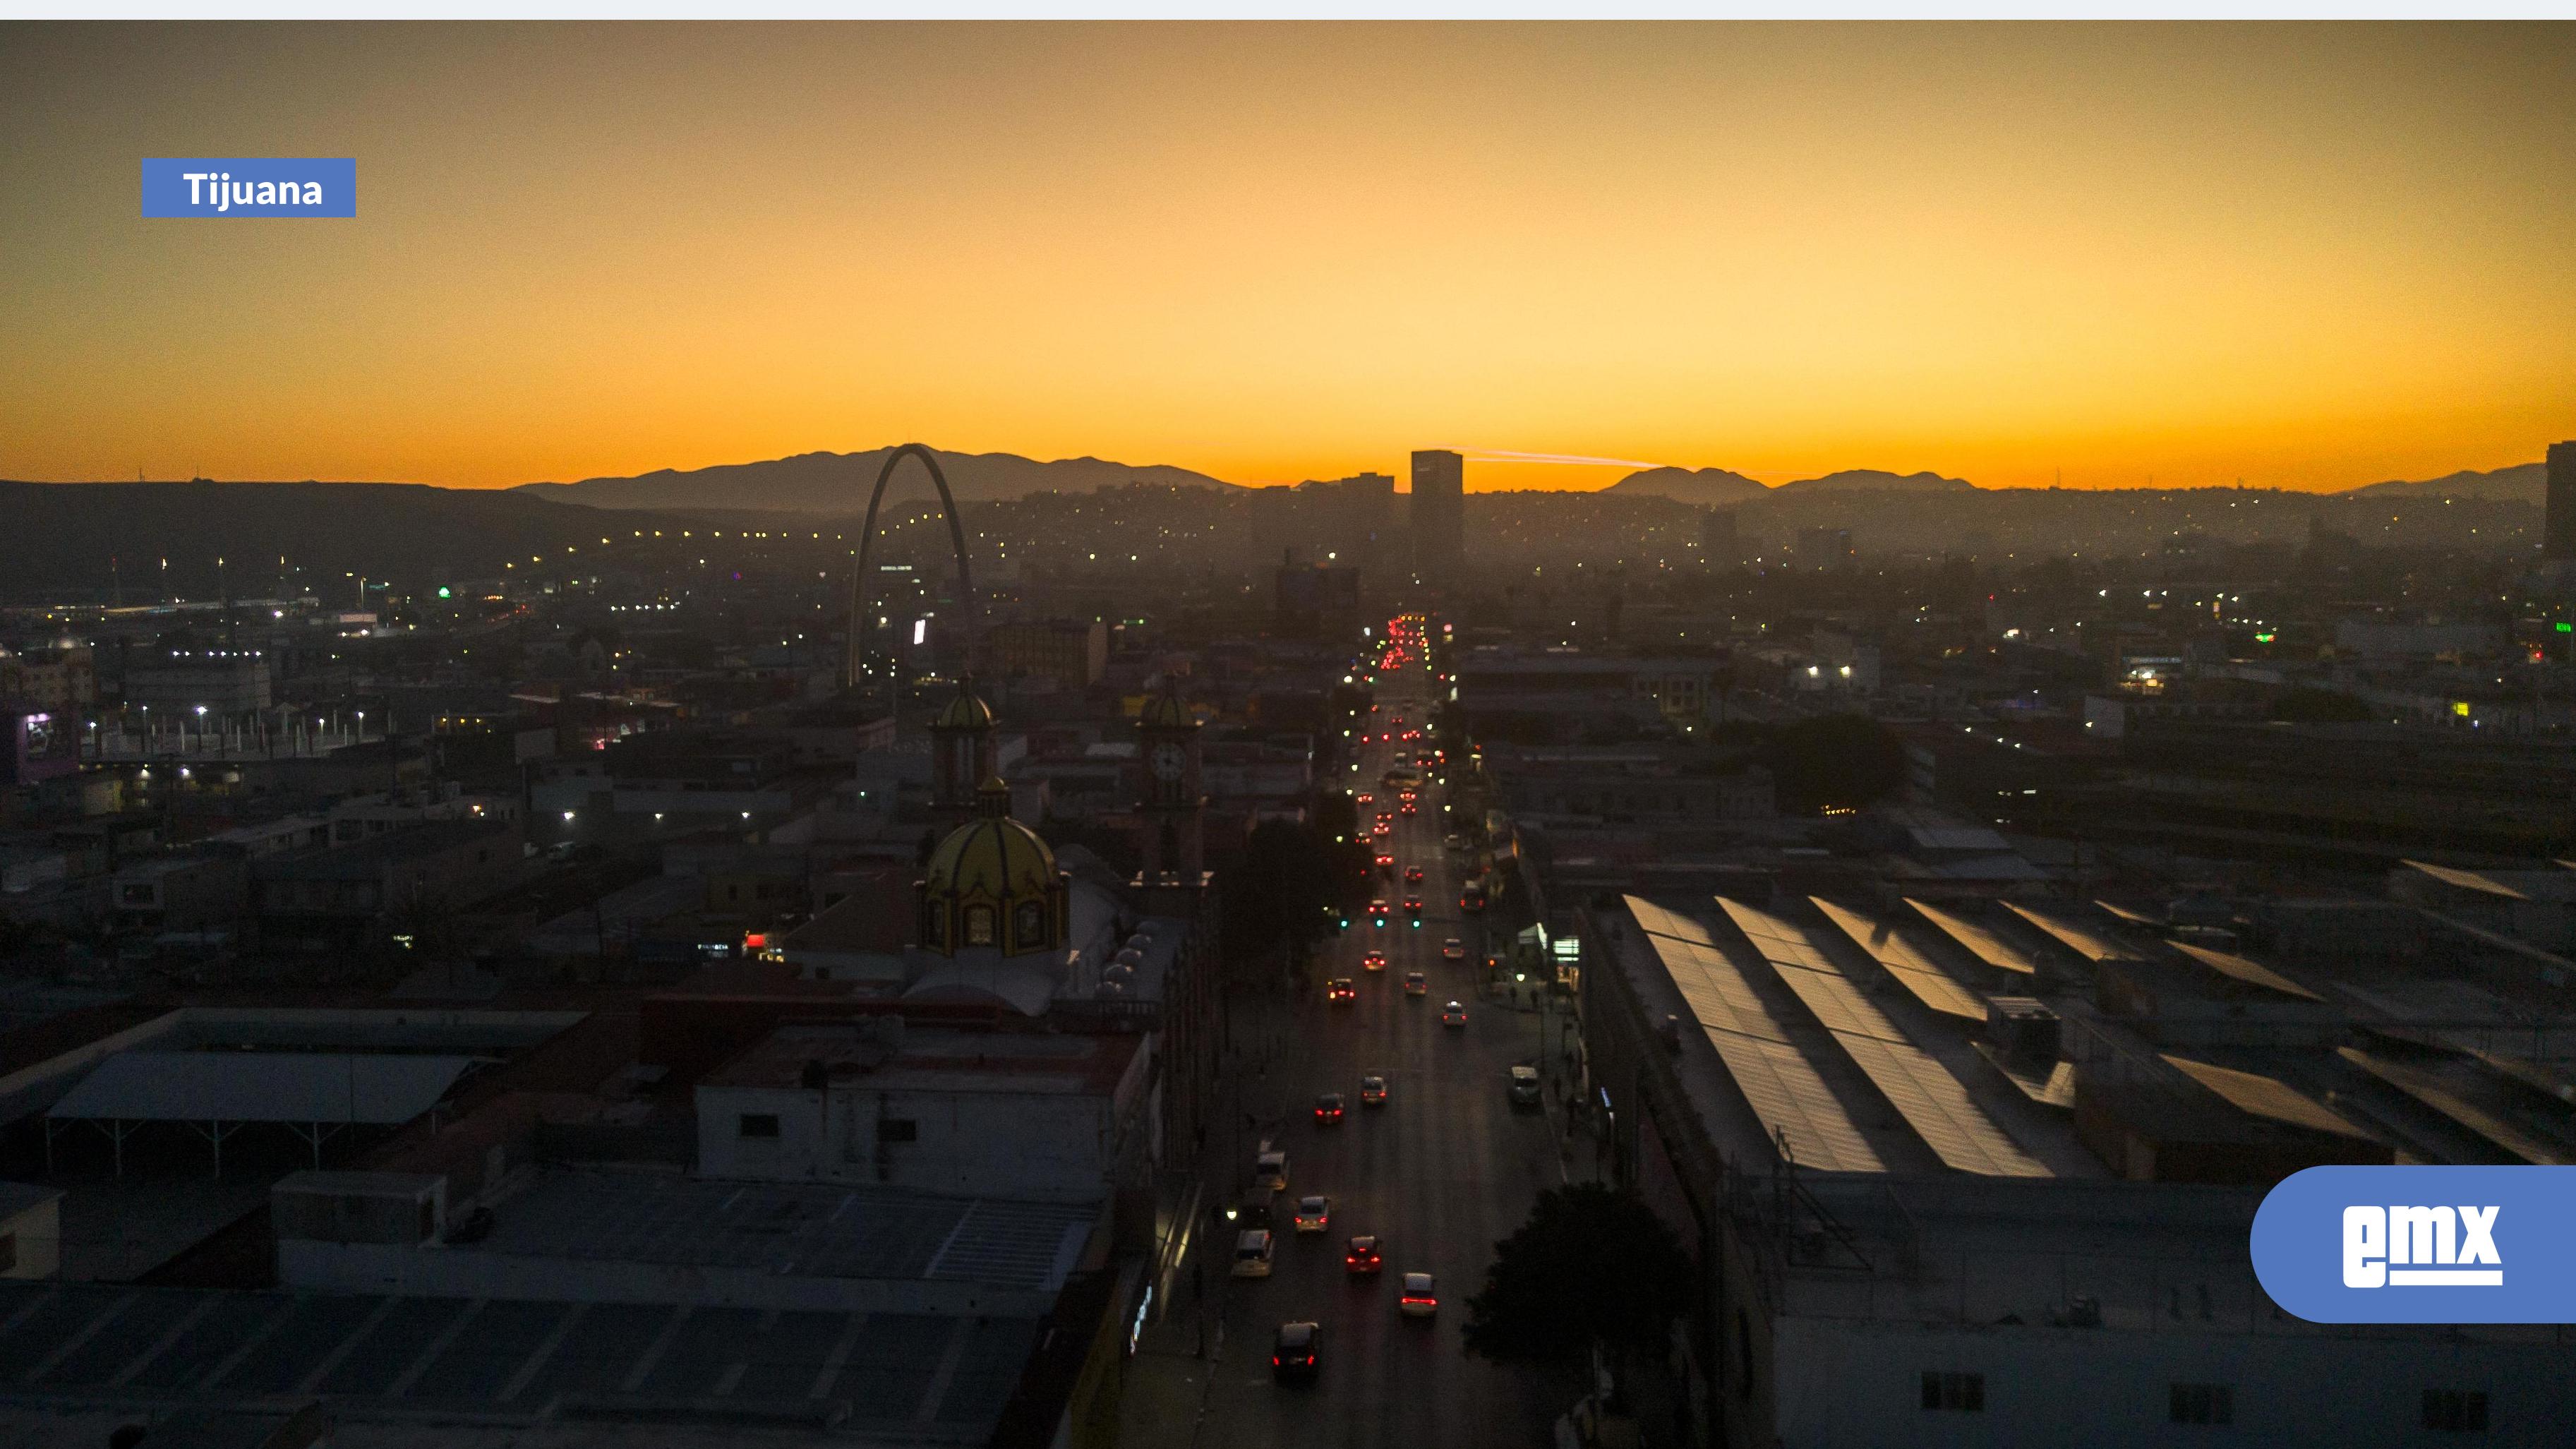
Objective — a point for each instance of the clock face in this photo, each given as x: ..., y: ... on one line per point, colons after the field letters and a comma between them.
x: 1169, y: 760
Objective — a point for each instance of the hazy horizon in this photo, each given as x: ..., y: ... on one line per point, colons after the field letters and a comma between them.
x: 2309, y: 257
x: 1518, y: 474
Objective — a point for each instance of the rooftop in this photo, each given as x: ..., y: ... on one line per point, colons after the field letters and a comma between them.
x: 793, y: 1230
x: 934, y: 1060
x: 511, y: 1362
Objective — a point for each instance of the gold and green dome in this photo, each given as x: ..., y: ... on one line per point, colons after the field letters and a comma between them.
x: 991, y: 856
x: 1163, y: 710
x: 966, y: 711
x: 993, y: 883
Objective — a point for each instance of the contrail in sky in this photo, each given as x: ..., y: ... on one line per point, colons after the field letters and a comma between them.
x: 1498, y: 455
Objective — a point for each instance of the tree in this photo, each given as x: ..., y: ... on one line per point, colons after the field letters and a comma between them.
x: 1835, y: 761
x: 1279, y: 890
x: 2311, y: 705
x: 1593, y: 1266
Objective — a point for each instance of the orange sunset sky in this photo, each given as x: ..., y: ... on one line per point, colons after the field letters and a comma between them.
x: 2305, y: 256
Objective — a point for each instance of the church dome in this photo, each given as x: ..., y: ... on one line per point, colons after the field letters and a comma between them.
x: 992, y: 883
x: 966, y: 711
x: 1164, y: 711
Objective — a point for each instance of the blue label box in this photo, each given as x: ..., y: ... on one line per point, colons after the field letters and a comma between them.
x: 224, y: 188
x: 2421, y: 1244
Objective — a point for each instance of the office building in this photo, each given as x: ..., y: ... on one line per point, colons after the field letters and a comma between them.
x: 2558, y: 529
x: 1719, y: 546
x: 1439, y: 512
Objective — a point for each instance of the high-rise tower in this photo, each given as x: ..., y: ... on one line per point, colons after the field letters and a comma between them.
x: 1439, y: 512
x: 2558, y: 524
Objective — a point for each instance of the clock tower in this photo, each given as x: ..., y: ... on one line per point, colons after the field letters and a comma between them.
x: 1169, y: 814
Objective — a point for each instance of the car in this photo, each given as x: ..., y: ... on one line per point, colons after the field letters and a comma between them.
x: 1314, y: 1214
x: 1407, y: 808
x: 1413, y: 905
x: 1413, y: 875
x: 1270, y: 1169
x: 1253, y: 1250
x: 1252, y: 1211
x: 1453, y: 841
x: 1296, y: 1353
x: 1365, y: 799
x: 1378, y: 908
x: 1361, y: 1258
x: 1373, y: 961
x: 1453, y: 949
x: 1372, y: 1091
x: 1525, y: 1087
x: 1421, y: 1296
x: 1341, y: 991
x: 1416, y: 984
x: 1454, y: 1014
x: 1328, y: 1108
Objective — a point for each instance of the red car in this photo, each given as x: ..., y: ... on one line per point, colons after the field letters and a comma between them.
x: 1361, y: 1258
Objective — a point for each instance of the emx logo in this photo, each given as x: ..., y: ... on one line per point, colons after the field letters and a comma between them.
x: 2329, y: 1241
x: 2379, y: 1241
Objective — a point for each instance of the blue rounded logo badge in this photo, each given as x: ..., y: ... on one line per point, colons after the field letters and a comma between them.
x: 2416, y: 1244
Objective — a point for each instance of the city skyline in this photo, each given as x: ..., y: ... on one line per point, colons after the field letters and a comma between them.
x: 2304, y: 257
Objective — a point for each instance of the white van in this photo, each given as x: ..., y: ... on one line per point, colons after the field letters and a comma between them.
x: 1252, y: 1250
x: 1270, y: 1170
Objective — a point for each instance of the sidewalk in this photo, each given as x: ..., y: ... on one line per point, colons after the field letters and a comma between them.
x: 1166, y: 1387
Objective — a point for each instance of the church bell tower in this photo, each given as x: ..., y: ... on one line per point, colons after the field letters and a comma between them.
x: 1171, y: 812
x: 961, y: 754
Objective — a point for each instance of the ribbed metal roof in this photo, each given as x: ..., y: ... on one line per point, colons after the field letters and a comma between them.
x: 1931, y: 1100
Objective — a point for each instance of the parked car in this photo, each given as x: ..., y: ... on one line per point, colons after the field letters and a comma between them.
x: 1253, y: 1249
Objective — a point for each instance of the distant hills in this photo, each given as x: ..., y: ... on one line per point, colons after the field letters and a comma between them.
x: 839, y: 482
x: 61, y: 536
x: 1701, y: 488
x: 1721, y: 488
x: 2522, y: 483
